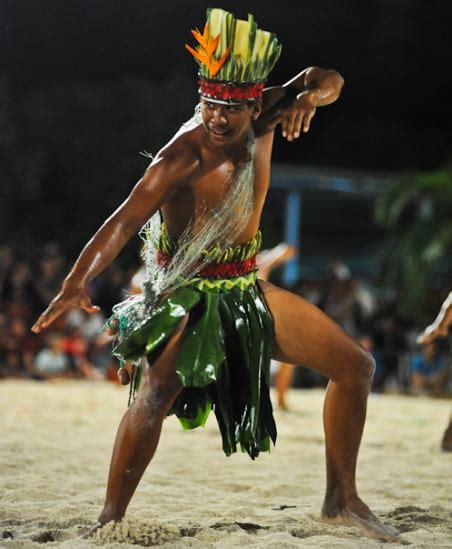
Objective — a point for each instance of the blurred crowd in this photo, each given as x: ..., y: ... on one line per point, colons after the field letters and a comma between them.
x: 76, y: 346
x: 401, y: 364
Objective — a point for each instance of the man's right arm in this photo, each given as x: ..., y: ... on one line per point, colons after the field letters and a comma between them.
x: 159, y: 181
x: 440, y: 326
x: 294, y: 104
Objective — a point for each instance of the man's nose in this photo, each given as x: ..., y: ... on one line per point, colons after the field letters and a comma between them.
x: 219, y: 114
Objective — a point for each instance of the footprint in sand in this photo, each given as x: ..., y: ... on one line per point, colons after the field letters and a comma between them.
x: 136, y: 532
x: 409, y: 518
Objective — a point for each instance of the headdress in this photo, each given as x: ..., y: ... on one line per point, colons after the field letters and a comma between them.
x: 234, y: 57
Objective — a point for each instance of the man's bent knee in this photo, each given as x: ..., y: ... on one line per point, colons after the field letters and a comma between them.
x: 158, y: 393
x: 360, y: 371
x: 365, y: 368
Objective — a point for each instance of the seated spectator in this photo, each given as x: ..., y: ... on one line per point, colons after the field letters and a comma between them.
x: 76, y: 347
x: 101, y: 358
x: 17, y: 347
x: 52, y: 362
x: 389, y: 337
x: 345, y: 299
x: 109, y: 289
x: 47, y: 280
x: 88, y: 325
x: 6, y: 263
x: 428, y: 370
x: 18, y: 295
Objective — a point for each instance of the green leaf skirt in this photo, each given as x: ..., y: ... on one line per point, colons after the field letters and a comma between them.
x: 224, y: 361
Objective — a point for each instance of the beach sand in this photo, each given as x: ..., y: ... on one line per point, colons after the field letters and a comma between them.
x: 55, y: 451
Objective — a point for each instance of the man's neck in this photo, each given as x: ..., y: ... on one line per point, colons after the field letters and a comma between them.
x: 236, y: 153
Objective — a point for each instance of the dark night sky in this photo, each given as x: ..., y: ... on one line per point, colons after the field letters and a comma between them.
x: 85, y: 85
x: 394, y: 55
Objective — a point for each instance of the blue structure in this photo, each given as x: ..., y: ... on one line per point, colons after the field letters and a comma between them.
x: 295, y: 180
x: 292, y: 234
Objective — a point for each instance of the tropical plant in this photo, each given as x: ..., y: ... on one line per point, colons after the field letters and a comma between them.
x: 417, y: 210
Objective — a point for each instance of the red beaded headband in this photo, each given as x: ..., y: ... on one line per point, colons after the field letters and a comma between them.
x: 228, y: 91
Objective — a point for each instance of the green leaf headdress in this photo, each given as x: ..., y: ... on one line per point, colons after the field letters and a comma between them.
x: 234, y: 56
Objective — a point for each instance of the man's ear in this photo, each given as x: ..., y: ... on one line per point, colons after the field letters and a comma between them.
x: 257, y: 109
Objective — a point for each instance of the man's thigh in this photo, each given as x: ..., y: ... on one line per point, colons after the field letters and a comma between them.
x: 159, y: 366
x: 307, y: 337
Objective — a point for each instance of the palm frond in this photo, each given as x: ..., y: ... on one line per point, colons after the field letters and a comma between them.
x: 403, y: 191
x: 413, y: 250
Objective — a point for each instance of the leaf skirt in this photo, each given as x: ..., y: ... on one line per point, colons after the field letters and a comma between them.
x: 224, y: 361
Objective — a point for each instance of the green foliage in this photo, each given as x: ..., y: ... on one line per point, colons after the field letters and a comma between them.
x: 417, y: 209
x: 253, y: 52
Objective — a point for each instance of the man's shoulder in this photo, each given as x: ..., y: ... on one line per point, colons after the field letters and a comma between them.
x: 182, y: 150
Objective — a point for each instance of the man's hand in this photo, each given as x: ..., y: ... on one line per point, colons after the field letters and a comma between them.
x: 293, y: 104
x: 69, y: 297
x: 298, y: 116
x: 440, y: 326
x: 112, y: 328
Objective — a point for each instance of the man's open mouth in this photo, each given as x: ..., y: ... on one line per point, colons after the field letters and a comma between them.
x: 219, y: 131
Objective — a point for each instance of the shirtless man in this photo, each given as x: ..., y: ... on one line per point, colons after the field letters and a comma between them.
x: 192, y: 169
x: 440, y: 327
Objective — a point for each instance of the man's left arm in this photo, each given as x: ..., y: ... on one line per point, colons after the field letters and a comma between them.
x: 293, y: 105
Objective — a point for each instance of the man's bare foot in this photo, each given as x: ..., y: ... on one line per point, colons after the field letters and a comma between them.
x: 359, y: 515
x: 91, y: 531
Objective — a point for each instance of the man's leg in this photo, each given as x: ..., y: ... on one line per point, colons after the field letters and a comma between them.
x: 283, y: 380
x: 306, y: 336
x: 139, y: 430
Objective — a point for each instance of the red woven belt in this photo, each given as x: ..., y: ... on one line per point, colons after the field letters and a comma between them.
x: 231, y: 269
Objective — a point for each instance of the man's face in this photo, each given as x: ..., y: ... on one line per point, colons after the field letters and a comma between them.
x: 228, y: 124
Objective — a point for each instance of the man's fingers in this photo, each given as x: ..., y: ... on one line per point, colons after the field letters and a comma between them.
x: 297, y: 124
x: 91, y: 309
x: 421, y: 339
x: 112, y: 327
x: 284, y: 125
x: 85, y: 303
x: 431, y: 333
x: 307, y: 120
x: 59, y: 305
x: 291, y: 124
x: 294, y: 122
x: 44, y: 320
x: 37, y: 327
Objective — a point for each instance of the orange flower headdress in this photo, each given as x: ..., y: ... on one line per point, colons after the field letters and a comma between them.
x: 234, y: 56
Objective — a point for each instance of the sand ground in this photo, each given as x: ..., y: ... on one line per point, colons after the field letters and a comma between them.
x: 55, y: 451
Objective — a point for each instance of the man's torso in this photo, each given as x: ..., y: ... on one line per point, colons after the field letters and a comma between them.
x: 208, y: 188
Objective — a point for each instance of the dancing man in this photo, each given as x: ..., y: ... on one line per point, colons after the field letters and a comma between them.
x: 203, y: 332
x: 439, y: 328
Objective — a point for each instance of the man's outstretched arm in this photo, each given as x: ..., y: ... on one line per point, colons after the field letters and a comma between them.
x: 293, y: 104
x: 153, y: 189
x: 440, y: 326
